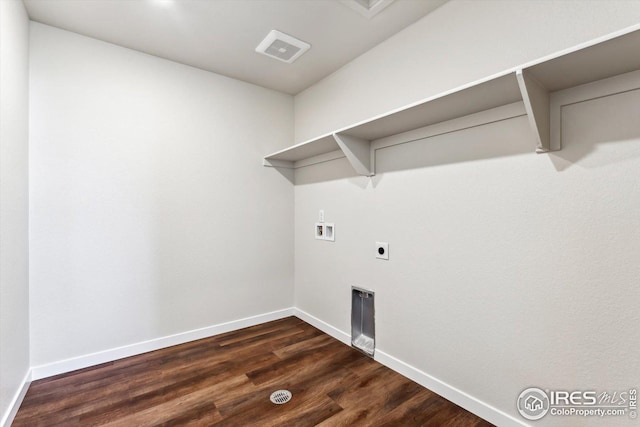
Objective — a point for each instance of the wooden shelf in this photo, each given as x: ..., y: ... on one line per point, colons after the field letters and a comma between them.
x: 469, y: 99
x: 531, y: 83
x: 609, y: 56
x: 304, y: 150
x: 459, y: 102
x: 606, y: 57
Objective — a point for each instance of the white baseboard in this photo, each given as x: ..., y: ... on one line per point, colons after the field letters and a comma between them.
x: 7, y: 417
x: 460, y: 398
x: 323, y: 326
x: 80, y: 362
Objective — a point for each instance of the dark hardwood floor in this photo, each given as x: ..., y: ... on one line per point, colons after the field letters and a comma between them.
x: 226, y: 380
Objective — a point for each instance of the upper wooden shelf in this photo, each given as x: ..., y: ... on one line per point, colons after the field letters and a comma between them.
x: 459, y: 102
x: 609, y: 56
x: 531, y: 83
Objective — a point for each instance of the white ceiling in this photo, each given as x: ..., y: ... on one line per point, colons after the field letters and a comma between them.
x: 221, y: 35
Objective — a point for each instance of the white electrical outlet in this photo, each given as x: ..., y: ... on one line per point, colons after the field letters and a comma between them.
x: 382, y: 250
x: 321, y: 215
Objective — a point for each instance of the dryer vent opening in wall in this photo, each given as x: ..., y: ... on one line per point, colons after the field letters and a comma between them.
x: 363, y: 320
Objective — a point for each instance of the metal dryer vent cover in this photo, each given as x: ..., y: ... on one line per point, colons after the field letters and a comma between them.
x: 282, y: 47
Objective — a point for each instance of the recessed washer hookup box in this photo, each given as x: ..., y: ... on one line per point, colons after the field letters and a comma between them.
x: 363, y: 331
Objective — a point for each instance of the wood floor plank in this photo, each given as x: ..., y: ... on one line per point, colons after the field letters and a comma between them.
x: 301, y: 363
x: 310, y: 385
x: 152, y: 393
x: 226, y: 380
x: 187, y: 407
x: 202, y: 415
x: 262, y: 412
x: 363, y: 407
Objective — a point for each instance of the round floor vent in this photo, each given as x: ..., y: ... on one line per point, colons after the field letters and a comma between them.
x: 281, y: 396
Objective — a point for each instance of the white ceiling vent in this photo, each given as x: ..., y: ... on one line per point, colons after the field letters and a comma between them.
x: 367, y: 8
x: 282, y: 47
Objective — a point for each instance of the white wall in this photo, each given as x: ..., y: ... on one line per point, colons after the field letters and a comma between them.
x: 458, y: 43
x: 14, y: 196
x: 150, y: 211
x: 507, y: 269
